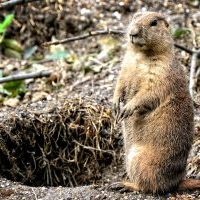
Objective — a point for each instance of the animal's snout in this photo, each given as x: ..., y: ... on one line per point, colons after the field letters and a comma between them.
x: 132, y: 36
x: 134, y: 33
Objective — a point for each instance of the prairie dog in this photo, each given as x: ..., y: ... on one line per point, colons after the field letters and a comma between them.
x: 157, y: 113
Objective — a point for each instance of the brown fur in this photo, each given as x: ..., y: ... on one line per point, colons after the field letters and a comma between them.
x: 157, y: 108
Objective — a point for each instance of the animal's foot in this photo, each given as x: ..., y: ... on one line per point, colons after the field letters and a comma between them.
x: 126, y: 111
x: 118, y: 186
x: 116, y: 106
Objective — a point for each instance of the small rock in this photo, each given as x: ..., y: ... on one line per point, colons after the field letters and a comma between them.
x: 39, y: 96
x: 12, y: 102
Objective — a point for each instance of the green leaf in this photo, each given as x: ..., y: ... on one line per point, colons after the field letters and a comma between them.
x: 59, y: 55
x: 179, y: 32
x: 6, y: 23
x: 12, y: 53
x: 4, y: 92
x: 29, y: 52
x: 12, y: 44
x: 15, y: 88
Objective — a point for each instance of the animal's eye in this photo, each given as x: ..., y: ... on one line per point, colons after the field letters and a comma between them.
x: 154, y: 23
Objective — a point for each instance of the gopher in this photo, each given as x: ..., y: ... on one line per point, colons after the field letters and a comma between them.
x: 153, y: 101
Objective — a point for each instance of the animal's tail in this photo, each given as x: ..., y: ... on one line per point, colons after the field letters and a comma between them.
x: 189, y: 184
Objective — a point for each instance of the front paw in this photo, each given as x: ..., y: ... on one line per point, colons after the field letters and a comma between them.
x: 126, y: 112
x: 116, y: 107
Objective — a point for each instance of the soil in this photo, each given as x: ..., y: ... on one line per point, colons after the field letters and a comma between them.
x: 89, y: 72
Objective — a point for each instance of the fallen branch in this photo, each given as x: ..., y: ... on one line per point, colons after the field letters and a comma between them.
x: 193, y: 74
x: 184, y: 49
x: 81, y: 37
x: 10, y: 3
x: 39, y: 74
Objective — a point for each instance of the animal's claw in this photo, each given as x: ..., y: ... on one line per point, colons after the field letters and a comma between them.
x: 116, y: 109
x: 125, y: 113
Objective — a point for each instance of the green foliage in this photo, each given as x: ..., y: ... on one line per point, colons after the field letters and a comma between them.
x: 12, y: 44
x: 6, y: 23
x: 12, y: 48
x: 14, y: 88
x: 58, y: 55
x: 180, y: 32
x: 12, y: 53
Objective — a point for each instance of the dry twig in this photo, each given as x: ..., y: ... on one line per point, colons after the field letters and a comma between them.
x: 193, y: 74
x: 195, y: 56
x: 39, y: 74
x: 89, y: 34
x: 190, y: 51
x: 93, y: 149
x: 10, y: 3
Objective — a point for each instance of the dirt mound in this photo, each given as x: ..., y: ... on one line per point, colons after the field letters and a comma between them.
x: 64, y: 143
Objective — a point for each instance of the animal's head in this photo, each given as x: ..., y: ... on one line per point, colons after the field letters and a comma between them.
x: 149, y: 31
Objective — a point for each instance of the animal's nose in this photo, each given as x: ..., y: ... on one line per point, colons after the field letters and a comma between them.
x: 132, y: 35
x: 134, y: 32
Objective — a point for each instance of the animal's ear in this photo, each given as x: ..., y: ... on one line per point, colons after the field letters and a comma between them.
x: 166, y: 23
x: 137, y: 14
